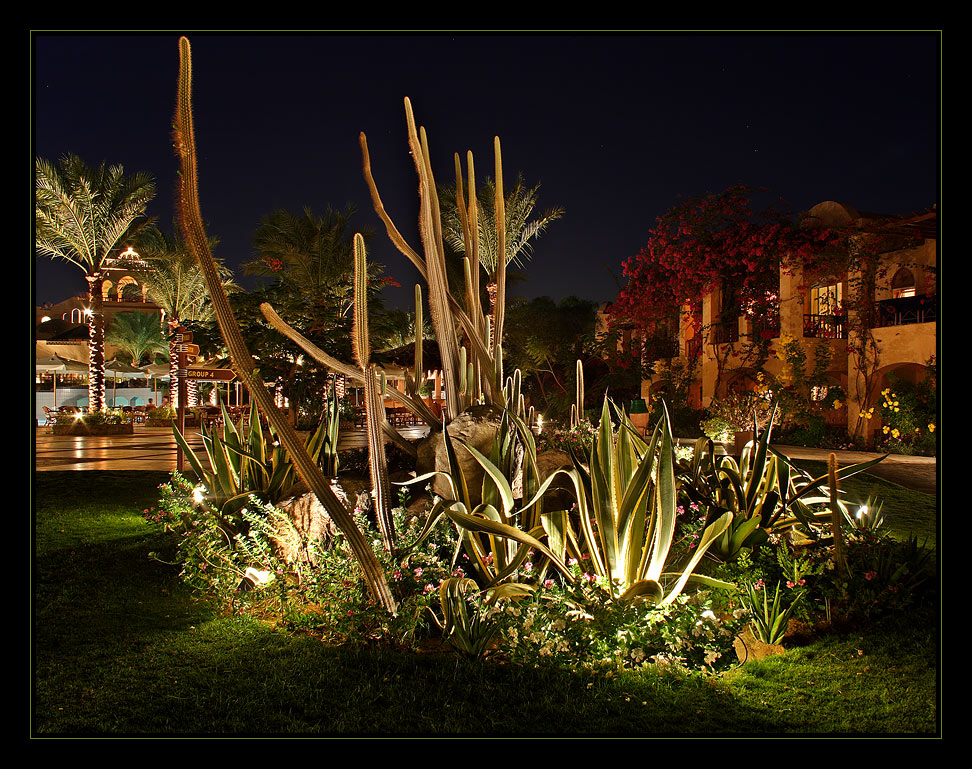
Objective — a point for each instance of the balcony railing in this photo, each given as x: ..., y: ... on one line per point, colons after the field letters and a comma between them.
x: 824, y: 326
x: 907, y: 310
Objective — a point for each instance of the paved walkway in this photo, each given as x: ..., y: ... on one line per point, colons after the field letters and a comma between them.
x: 148, y: 448
x: 154, y: 448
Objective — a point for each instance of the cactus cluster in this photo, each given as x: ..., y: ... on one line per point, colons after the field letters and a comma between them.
x: 470, y: 342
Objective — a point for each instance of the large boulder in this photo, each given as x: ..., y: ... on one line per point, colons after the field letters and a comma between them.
x: 477, y: 426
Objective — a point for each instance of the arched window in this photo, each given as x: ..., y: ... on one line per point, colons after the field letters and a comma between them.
x: 902, y: 284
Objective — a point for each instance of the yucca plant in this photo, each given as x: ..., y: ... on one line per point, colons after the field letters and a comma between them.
x: 769, y: 623
x: 866, y: 518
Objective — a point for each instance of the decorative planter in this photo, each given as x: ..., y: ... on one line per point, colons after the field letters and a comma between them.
x: 748, y: 647
x: 640, y: 421
x: 79, y: 428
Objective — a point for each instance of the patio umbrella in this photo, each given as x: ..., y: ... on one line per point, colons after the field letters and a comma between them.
x: 56, y: 364
x: 118, y: 369
x: 156, y: 371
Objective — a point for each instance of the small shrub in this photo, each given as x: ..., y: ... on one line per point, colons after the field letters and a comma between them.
x: 582, y: 626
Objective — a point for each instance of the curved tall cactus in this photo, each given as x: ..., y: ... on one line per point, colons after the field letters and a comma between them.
x: 243, y: 364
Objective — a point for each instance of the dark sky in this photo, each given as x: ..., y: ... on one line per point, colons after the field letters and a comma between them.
x: 614, y: 126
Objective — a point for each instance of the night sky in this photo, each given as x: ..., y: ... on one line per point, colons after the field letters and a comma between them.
x: 614, y: 126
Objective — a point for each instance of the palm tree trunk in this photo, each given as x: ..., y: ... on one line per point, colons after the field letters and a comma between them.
x: 173, y: 364
x: 96, y: 344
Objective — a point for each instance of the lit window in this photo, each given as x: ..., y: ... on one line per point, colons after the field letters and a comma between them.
x: 902, y: 284
x: 827, y: 299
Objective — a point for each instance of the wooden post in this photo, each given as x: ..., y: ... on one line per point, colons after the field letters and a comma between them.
x: 182, y: 393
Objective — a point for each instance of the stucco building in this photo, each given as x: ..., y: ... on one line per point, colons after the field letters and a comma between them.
x: 894, y: 306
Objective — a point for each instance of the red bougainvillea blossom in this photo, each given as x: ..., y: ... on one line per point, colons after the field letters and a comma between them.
x: 708, y: 242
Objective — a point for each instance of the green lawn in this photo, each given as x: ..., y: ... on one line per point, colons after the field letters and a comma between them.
x: 120, y: 648
x: 906, y: 512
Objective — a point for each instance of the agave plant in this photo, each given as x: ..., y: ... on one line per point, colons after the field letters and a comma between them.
x: 495, y: 533
x: 466, y: 613
x: 626, y: 508
x: 625, y: 517
x: 763, y: 492
x: 247, y: 460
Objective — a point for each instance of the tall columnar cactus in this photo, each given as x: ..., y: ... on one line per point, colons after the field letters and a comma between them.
x: 374, y: 399
x: 243, y: 364
x: 477, y: 377
x: 836, y: 514
x: 577, y: 409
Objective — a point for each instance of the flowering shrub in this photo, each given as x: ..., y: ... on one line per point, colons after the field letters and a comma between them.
x: 581, y: 625
x: 739, y: 410
x: 579, y: 439
x: 909, y: 415
x: 715, y: 241
x: 92, y: 418
x: 717, y: 428
x: 246, y: 572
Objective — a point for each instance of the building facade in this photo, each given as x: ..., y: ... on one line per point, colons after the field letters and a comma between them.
x: 867, y: 324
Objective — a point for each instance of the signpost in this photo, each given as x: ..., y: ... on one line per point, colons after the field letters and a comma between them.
x: 186, y: 350
x: 210, y: 374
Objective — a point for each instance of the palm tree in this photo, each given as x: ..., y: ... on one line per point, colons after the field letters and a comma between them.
x: 138, y: 335
x: 82, y: 215
x: 174, y: 282
x: 520, y: 229
x: 310, y: 255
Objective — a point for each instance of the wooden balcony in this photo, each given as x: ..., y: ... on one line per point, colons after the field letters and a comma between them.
x: 659, y: 349
x: 907, y: 310
x: 824, y: 326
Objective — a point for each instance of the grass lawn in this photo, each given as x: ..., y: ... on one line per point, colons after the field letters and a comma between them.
x: 120, y: 648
